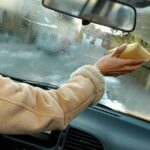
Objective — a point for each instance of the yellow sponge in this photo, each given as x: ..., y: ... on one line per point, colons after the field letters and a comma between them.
x: 133, y: 51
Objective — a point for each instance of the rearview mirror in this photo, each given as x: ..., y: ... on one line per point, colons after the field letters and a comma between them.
x: 105, y: 12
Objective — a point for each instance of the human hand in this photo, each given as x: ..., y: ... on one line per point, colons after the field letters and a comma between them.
x: 112, y: 65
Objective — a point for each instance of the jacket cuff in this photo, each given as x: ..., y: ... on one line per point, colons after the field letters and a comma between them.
x: 95, y: 76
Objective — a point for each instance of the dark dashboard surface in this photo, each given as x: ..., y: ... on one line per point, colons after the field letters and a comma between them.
x: 115, y: 130
x: 96, y: 128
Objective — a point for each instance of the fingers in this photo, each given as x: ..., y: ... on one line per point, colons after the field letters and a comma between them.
x: 124, y: 70
x: 118, y: 73
x: 130, y: 68
x: 119, y: 50
x: 132, y: 62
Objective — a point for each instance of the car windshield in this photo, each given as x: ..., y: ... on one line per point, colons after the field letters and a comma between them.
x: 42, y: 45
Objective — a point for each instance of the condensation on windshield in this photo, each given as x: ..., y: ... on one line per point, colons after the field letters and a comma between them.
x: 42, y: 45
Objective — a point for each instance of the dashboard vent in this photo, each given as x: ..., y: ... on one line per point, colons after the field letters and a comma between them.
x: 79, y: 140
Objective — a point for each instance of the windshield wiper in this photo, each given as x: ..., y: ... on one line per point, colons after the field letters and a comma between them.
x: 42, y: 85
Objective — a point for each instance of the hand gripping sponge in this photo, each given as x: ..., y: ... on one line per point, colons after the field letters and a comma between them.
x: 133, y: 51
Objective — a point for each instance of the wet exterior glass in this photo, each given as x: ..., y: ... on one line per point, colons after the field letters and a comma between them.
x: 42, y: 45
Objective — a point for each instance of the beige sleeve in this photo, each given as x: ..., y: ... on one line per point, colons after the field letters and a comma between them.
x: 26, y: 109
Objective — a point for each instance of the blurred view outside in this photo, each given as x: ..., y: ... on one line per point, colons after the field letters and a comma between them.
x: 41, y: 45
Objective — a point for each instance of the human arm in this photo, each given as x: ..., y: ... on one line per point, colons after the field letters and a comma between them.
x: 26, y: 109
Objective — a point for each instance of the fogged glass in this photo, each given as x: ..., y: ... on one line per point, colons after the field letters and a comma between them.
x: 108, y: 13
x: 41, y: 45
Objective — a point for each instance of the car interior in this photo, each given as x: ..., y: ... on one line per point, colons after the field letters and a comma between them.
x: 43, y: 41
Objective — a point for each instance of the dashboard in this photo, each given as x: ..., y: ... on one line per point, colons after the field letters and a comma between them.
x: 97, y: 128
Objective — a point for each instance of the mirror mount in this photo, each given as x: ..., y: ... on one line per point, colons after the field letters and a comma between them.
x: 85, y: 22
